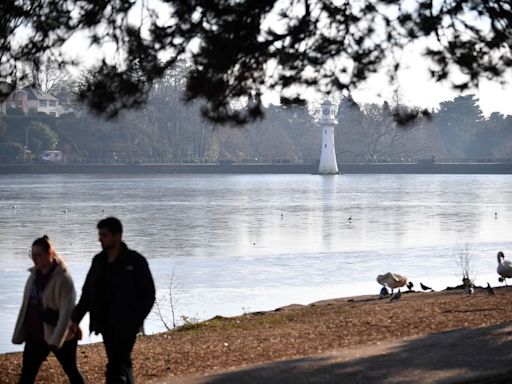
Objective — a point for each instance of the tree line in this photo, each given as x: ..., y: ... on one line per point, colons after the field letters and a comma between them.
x: 167, y: 130
x: 457, y: 130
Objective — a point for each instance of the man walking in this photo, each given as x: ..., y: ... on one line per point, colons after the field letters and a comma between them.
x: 118, y: 293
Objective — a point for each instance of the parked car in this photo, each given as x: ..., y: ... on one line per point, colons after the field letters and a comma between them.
x: 53, y: 156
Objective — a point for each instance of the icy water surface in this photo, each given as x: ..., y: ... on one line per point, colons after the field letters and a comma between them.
x: 241, y: 243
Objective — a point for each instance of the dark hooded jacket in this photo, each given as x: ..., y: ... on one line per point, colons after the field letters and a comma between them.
x: 119, y: 295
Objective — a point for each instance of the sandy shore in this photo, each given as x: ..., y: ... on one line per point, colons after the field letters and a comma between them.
x: 285, y: 333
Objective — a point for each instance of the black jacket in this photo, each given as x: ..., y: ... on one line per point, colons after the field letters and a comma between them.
x: 131, y: 288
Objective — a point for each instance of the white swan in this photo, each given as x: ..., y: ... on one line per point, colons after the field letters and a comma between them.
x: 392, y: 280
x: 504, y: 267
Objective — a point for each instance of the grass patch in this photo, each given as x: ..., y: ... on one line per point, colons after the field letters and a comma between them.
x: 244, y: 322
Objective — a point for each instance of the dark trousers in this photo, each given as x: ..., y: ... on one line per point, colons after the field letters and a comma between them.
x: 35, y: 353
x: 119, y: 349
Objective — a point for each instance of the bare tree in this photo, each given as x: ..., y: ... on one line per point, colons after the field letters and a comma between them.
x: 47, y: 75
x: 463, y: 259
x: 174, y: 288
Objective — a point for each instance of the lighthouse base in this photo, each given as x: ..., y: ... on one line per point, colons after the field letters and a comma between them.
x: 327, y: 173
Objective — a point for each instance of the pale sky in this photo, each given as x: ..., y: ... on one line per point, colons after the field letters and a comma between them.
x: 415, y: 86
x: 418, y: 89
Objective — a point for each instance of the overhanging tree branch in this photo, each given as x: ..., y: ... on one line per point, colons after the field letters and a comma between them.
x: 232, y: 44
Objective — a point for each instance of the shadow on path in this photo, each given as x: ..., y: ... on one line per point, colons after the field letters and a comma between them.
x: 475, y: 356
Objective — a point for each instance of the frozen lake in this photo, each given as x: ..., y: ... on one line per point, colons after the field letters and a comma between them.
x: 242, y: 243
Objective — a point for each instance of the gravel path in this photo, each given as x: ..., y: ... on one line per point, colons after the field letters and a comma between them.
x: 469, y: 356
x: 291, y: 332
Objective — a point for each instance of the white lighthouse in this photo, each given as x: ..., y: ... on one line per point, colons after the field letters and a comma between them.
x: 327, y: 121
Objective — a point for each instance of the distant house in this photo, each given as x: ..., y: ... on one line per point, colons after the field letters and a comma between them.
x: 32, y: 99
x: 40, y: 101
x: 17, y: 99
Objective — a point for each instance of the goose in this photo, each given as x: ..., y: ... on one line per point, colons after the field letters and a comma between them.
x: 392, y: 280
x: 504, y: 268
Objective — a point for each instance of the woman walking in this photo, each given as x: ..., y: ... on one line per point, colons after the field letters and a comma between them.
x: 48, y: 302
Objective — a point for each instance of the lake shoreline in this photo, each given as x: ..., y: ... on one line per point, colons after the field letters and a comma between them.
x: 288, y: 332
x: 345, y: 168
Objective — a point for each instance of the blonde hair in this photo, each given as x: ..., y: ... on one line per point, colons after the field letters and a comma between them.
x: 45, y: 243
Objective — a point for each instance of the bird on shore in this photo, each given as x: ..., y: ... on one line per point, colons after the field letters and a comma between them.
x: 468, y: 286
x: 489, y: 289
x: 504, y: 268
x: 392, y: 280
x: 410, y: 285
x: 425, y: 287
x: 396, y: 296
x: 383, y: 292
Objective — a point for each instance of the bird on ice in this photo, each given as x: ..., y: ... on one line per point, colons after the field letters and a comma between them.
x: 392, y: 280
x: 504, y: 268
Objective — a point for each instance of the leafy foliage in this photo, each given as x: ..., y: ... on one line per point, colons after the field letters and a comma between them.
x: 34, y: 131
x: 41, y: 137
x: 10, y: 152
x: 458, y: 121
x: 239, y: 49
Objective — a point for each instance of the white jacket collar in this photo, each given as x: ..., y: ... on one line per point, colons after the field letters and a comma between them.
x: 60, y: 268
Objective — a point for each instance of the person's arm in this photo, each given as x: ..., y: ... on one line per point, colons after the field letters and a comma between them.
x: 66, y: 297
x: 19, y: 332
x: 145, y: 291
x: 84, y: 303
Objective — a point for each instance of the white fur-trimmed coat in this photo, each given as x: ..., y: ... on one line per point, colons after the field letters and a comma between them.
x: 59, y: 295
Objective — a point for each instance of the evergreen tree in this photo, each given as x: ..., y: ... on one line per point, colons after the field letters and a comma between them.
x: 458, y: 121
